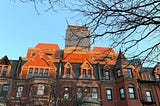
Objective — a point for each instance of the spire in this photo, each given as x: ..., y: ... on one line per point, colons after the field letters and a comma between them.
x: 121, y: 59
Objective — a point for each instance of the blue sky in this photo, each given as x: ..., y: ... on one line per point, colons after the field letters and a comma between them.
x: 21, y: 27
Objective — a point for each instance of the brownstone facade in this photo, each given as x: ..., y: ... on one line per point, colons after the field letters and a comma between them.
x: 77, y: 76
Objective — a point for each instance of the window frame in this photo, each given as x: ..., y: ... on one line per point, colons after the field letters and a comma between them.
x: 35, y: 72
x: 5, y: 70
x: 128, y: 73
x: 84, y: 73
x: 19, y: 91
x: 122, y: 93
x: 149, y: 98
x: 46, y: 72
x: 68, y: 72
x: 66, y: 94
x: 30, y: 73
x: 131, y: 93
x: 107, y: 76
x: 33, y: 54
x: 79, y: 93
x: 109, y: 96
x: 58, y: 55
x: 89, y: 74
x: 95, y: 93
x: 41, y: 72
x: 4, y: 91
x: 40, y: 89
x: 119, y: 73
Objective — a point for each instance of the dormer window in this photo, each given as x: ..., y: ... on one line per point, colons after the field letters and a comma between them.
x: 84, y: 73
x: 41, y: 72
x: 57, y: 55
x: 46, y: 73
x: 5, y: 70
x: 128, y: 73
x: 68, y: 73
x: 30, y: 72
x: 107, y: 75
x: 36, y: 72
x: 89, y: 74
x: 118, y: 73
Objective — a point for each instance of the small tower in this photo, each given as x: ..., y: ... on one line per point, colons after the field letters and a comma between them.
x: 78, y: 36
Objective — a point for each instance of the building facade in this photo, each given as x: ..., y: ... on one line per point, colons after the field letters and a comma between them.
x: 77, y: 76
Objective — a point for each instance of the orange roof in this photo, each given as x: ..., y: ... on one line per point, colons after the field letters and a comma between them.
x: 102, y: 49
x: 47, y: 46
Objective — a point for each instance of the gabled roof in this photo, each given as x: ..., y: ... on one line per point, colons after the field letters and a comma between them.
x: 39, y: 60
x: 47, y: 46
x: 121, y: 60
x: 5, y: 61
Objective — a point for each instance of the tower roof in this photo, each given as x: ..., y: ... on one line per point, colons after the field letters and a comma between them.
x: 121, y: 60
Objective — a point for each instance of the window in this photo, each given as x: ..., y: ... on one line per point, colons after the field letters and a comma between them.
x: 48, y: 54
x: 36, y: 72
x: 144, y: 77
x: 5, y: 70
x: 148, y: 95
x: 121, y: 92
x: 68, y: 73
x: 46, y: 73
x: 118, y: 73
x: 4, y: 92
x: 30, y: 72
x: 84, y: 73
x: 40, y: 90
x: 19, y: 91
x: 109, y: 94
x: 107, y: 75
x: 94, y: 93
x: 57, y: 55
x: 79, y: 93
x: 94, y: 57
x: 89, y: 74
x: 41, y: 72
x: 86, y: 92
x: 128, y: 72
x: 158, y: 77
x: 0, y: 68
x: 66, y: 93
x: 131, y: 93
x: 33, y: 54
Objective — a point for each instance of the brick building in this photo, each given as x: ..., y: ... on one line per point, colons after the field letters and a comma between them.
x: 77, y: 76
